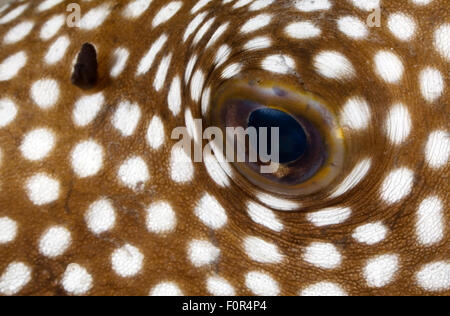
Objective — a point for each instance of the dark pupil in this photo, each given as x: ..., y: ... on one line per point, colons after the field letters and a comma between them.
x: 293, y: 140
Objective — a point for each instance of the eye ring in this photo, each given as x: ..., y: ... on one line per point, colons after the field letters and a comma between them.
x: 315, y: 170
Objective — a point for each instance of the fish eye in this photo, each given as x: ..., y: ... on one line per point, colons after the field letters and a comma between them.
x: 292, y: 133
x: 293, y: 141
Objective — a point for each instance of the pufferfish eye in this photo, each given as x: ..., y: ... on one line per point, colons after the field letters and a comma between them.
x: 293, y: 141
x: 308, y: 148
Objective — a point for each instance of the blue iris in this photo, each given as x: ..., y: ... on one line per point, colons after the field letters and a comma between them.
x: 293, y: 140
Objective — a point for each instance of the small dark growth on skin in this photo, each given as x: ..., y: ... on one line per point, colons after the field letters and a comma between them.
x: 85, y: 73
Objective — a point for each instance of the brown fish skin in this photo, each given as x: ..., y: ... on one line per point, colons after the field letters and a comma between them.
x: 95, y: 146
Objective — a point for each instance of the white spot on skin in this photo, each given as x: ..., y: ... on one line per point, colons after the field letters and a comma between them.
x: 54, y: 242
x: 48, y: 4
x: 241, y: 3
x: 87, y: 108
x: 312, y: 5
x: 76, y: 280
x: 210, y: 212
x: 95, y: 17
x: 366, y: 5
x: 202, y: 31
x: 57, y: 50
x: 127, y: 261
x: 422, y: 2
x: 402, y: 26
x: 231, y: 70
x: 52, y: 26
x: 430, y: 221
x: 133, y: 173
x: 256, y: 23
x: 431, y: 84
x: 161, y: 218
x: 197, y: 82
x: 37, y: 144
x: 8, y: 230
x: 263, y: 216
x: 389, y: 67
x: 199, y: 5
x: 442, y: 41
x: 434, y: 277
x: 323, y: 289
x: 258, y: 43
x: 397, y: 185
x: 161, y: 73
x: 262, y: 251
x: 13, y: 14
x: 260, y: 4
x: 302, y: 30
x: 322, y: 255
x: 333, y: 65
x: 18, y: 33
x: 277, y: 203
x: 100, y: 217
x: 181, y: 167
x: 174, y: 96
x: 87, y: 158
x: 191, y: 126
x: 219, y: 32
x: 147, y: 61
x: 218, y: 286
x: 166, y: 13
x: 136, y: 8
x: 206, y: 97
x: 329, y: 216
x: 280, y: 64
x: 193, y: 25
x: 354, y: 178
x: 155, y: 133
x: 353, y: 27
x: 202, y: 252
x: 215, y: 170
x: 356, y: 114
x: 380, y: 271
x: 262, y: 284
x: 437, y: 149
x: 42, y: 189
x: 11, y: 66
x: 126, y: 118
x: 222, y: 55
x: 8, y: 112
x: 14, y: 278
x: 45, y: 93
x: 121, y: 56
x: 166, y: 289
x: 370, y: 234
x: 398, y: 124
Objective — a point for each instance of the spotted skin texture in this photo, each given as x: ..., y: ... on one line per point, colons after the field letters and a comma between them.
x: 91, y: 203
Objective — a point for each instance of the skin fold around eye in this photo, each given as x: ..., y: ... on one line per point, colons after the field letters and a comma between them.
x: 319, y: 163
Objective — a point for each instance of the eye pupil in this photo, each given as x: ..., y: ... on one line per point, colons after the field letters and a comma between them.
x: 293, y: 141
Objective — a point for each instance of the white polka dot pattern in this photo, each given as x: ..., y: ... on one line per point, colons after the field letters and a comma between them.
x: 55, y: 241
x: 127, y: 261
x: 105, y: 155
